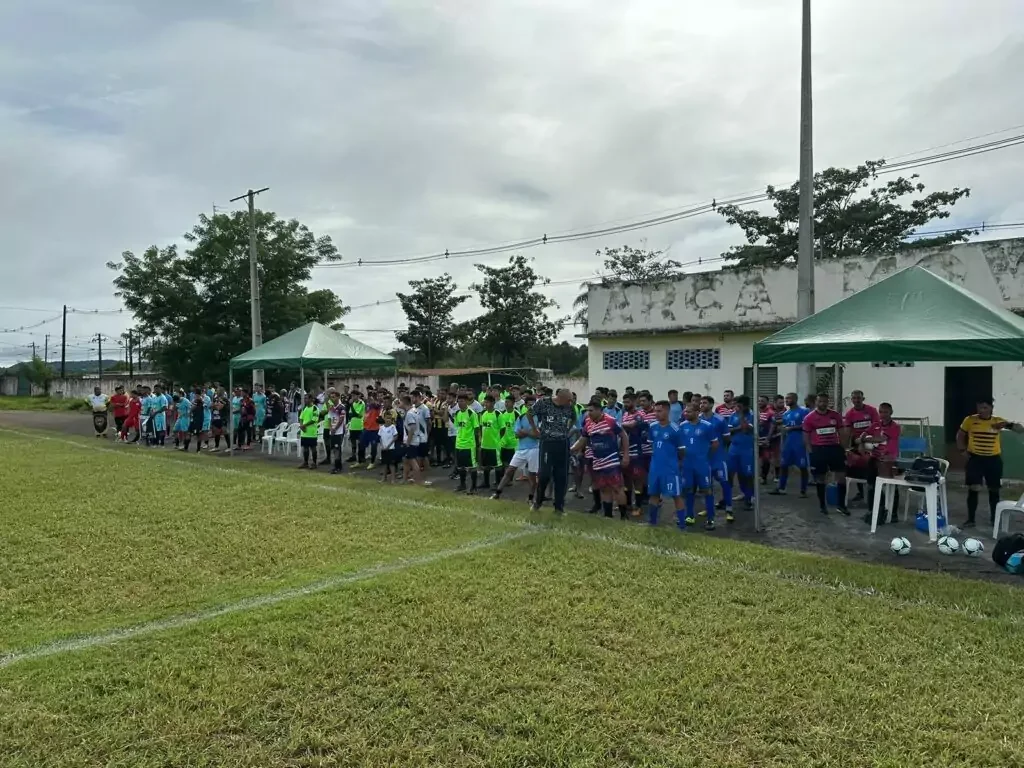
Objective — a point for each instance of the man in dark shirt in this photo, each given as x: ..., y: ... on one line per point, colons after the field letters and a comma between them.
x: 554, y: 417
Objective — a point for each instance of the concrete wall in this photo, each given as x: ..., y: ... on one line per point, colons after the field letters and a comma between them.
x: 766, y: 298
x: 80, y: 386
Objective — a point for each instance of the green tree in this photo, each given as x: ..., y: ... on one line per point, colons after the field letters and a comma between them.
x: 194, y: 306
x: 853, y: 216
x: 432, y: 332
x: 562, y: 358
x: 39, y: 373
x: 515, y: 317
x: 629, y: 265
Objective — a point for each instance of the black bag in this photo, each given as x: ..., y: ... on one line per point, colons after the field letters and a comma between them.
x: 1006, y: 546
x: 924, y: 470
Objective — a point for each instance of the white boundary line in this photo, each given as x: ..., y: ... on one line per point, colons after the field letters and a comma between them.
x: 344, y: 490
x: 111, y: 637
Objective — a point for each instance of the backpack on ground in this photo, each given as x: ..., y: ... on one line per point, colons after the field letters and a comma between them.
x: 1006, y: 547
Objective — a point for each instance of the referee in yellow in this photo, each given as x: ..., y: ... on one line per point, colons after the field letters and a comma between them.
x: 979, y: 439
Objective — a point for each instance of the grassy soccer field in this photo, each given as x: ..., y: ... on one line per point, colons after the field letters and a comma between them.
x: 160, y: 609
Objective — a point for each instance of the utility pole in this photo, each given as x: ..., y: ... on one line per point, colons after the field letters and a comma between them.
x: 46, y: 348
x: 63, y: 342
x: 131, y: 363
x: 805, y: 254
x: 33, y: 350
x: 99, y: 356
x: 254, y: 287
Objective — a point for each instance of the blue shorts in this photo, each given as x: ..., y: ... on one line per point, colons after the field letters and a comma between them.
x: 663, y: 484
x: 720, y: 468
x: 696, y: 476
x: 369, y: 437
x: 794, y: 456
x: 182, y: 425
x: 206, y: 425
x: 742, y: 464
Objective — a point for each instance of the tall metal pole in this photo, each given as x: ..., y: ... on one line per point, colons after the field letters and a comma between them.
x: 254, y: 287
x: 99, y: 356
x: 131, y: 360
x: 63, y: 342
x: 805, y: 254
x: 46, y: 348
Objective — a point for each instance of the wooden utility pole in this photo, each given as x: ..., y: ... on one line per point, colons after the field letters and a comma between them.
x: 254, y: 286
x: 63, y: 342
x: 46, y: 348
x: 99, y: 356
x: 131, y: 372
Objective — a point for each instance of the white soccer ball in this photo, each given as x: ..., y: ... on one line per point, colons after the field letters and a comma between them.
x: 900, y: 545
x: 948, y: 545
x: 973, y: 547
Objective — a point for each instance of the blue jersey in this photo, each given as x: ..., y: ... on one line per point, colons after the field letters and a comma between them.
x: 184, y: 409
x: 615, y: 412
x: 794, y: 417
x: 523, y: 423
x: 697, y: 437
x: 720, y: 431
x: 741, y: 442
x: 675, y: 412
x: 260, y: 401
x: 665, y: 444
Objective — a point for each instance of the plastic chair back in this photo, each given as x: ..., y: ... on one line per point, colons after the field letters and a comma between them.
x: 916, y: 445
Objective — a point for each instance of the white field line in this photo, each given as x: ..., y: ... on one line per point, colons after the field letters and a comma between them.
x: 110, y: 637
x: 171, y: 459
x: 798, y: 579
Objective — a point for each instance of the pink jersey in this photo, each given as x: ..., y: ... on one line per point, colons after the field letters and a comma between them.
x: 890, y: 446
x: 650, y: 417
x: 823, y: 428
x: 860, y: 421
x: 724, y: 410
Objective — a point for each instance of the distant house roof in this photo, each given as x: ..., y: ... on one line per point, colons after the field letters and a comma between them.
x: 463, y: 371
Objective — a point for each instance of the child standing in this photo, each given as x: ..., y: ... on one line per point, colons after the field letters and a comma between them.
x: 388, y: 437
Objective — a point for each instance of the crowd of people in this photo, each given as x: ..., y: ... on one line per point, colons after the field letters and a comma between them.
x: 631, y: 453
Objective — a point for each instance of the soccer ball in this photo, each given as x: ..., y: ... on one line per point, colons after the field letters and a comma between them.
x: 900, y: 545
x: 948, y: 545
x: 973, y: 547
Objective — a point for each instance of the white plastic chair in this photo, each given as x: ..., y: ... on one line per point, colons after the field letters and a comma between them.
x: 943, y: 467
x: 272, y: 436
x: 1004, y: 511
x: 290, y: 439
x: 852, y: 481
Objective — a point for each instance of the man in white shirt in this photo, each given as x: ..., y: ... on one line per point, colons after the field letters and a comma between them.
x: 415, y: 438
x: 99, y: 403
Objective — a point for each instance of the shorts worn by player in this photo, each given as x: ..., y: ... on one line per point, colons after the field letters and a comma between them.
x: 526, y: 458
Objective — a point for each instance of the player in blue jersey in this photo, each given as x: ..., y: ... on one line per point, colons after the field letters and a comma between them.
x: 663, y: 477
x: 720, y: 456
x: 700, y: 443
x: 742, y: 426
x: 794, y: 452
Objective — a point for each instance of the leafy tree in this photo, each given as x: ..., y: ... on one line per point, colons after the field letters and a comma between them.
x: 515, y: 317
x: 625, y: 264
x: 562, y: 358
x: 195, y: 305
x: 852, y: 217
x: 39, y: 373
x: 432, y: 332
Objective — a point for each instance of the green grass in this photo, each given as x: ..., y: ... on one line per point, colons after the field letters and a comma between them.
x: 581, y: 643
x: 42, y: 403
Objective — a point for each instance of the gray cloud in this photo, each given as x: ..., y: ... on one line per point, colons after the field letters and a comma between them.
x: 407, y: 128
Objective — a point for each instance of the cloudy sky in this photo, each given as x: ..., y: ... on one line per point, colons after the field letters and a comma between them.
x: 404, y: 128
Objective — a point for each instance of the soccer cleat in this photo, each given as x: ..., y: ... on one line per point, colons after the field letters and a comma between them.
x: 702, y: 513
x: 355, y: 466
x: 748, y: 504
x: 968, y: 524
x: 803, y: 494
x: 777, y: 492
x: 690, y: 520
x: 823, y: 510
x: 370, y: 466
x: 495, y: 496
x: 729, y: 517
x: 709, y: 525
x: 843, y: 510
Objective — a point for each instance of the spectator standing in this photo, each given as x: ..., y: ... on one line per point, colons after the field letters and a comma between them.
x: 554, y: 418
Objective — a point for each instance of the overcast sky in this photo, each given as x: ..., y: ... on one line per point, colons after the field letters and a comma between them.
x: 404, y: 128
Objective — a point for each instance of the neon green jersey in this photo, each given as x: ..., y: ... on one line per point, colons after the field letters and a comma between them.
x: 466, y: 425
x: 357, y: 408
x: 309, y: 421
x: 508, y: 436
x: 490, y: 430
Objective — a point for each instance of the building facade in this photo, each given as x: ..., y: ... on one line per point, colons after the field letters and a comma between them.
x: 697, y: 332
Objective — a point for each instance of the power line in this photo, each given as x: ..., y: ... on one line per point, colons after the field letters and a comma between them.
x: 697, y: 210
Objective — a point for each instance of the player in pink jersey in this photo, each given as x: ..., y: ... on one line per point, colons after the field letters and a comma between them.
x: 727, y: 407
x: 860, y: 419
x: 824, y: 437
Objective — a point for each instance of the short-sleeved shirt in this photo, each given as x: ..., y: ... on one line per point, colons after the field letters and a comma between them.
x: 635, y: 426
x: 310, y: 414
x: 466, y: 424
x: 413, y: 432
x: 794, y: 417
x: 603, y: 439
x: 665, y: 441
x: 861, y: 421
x: 889, y: 444
x: 740, y: 442
x: 98, y: 402
x: 823, y: 428
x: 522, y: 422
x: 696, y: 438
x: 490, y: 430
x: 765, y: 419
x: 554, y: 421
x: 724, y: 410
x: 720, y: 430
x: 983, y: 435
x: 507, y: 421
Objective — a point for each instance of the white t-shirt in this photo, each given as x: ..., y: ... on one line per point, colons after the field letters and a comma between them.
x: 388, y: 436
x: 452, y: 410
x: 98, y: 402
x: 413, y: 434
x: 477, y: 406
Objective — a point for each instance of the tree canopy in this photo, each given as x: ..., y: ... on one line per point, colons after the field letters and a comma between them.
x: 853, y: 216
x: 515, y: 314
x: 626, y: 264
x: 195, y: 305
x: 432, y: 332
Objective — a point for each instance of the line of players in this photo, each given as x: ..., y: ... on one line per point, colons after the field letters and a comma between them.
x: 678, y: 451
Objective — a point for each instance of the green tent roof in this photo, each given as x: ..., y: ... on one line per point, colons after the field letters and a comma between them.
x: 314, y: 346
x: 911, y: 316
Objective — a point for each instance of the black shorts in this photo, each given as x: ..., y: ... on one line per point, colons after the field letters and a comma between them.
x: 423, y: 450
x: 488, y: 457
x: 309, y: 442
x: 390, y: 457
x: 464, y: 458
x: 984, y: 470
x: 119, y: 422
x: 827, y: 458
x: 506, y: 456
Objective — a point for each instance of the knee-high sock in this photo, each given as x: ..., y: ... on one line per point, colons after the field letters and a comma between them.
x: 691, y: 503
x: 820, y: 489
x: 652, y: 513
x: 709, y: 506
x: 804, y: 478
x: 783, y: 478
x: 727, y: 494
x: 993, y: 499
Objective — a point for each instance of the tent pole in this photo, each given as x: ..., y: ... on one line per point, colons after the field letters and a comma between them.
x: 302, y: 379
x: 231, y: 416
x: 757, y: 467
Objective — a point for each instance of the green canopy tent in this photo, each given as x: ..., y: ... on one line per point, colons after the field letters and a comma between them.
x: 913, y: 315
x: 310, y: 346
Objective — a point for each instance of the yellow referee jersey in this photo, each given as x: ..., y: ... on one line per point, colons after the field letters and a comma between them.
x: 983, y: 435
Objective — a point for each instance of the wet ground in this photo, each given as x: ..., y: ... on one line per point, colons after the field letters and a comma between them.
x: 788, y: 521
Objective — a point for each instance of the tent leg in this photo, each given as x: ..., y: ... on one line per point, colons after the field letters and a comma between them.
x: 302, y: 379
x: 231, y: 416
x: 757, y: 467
